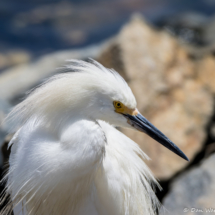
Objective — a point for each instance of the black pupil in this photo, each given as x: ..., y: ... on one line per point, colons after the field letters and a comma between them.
x: 118, y: 104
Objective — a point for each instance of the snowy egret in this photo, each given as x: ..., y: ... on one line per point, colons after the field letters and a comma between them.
x: 67, y: 158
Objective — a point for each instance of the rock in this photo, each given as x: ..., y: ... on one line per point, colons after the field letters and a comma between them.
x: 4, y: 109
x: 5, y: 151
x: 174, y: 91
x: 191, y: 28
x: 188, y: 27
x: 212, y: 131
x: 209, y: 149
x: 192, y: 192
x: 13, y: 58
x: 3, y: 134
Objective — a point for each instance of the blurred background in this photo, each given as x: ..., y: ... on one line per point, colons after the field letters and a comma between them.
x: 165, y: 49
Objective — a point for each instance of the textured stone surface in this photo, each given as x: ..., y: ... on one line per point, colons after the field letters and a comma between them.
x: 172, y: 90
x: 193, y: 192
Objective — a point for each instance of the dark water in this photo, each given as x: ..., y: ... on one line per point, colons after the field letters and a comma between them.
x: 42, y: 26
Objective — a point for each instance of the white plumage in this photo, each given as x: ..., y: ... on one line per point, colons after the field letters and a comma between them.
x: 67, y: 158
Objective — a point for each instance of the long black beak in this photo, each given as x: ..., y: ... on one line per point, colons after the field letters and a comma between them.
x: 142, y: 124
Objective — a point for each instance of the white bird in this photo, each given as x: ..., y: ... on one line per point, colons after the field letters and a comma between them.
x: 67, y: 158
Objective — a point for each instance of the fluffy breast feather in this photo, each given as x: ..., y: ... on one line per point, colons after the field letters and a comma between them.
x: 53, y: 173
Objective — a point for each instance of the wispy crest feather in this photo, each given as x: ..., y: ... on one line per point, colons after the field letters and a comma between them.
x: 56, y: 91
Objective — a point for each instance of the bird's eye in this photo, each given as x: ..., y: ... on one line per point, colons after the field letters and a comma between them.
x: 117, y: 105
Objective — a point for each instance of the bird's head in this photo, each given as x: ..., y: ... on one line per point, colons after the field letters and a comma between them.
x: 90, y: 91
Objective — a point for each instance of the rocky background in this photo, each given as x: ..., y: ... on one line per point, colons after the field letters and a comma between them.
x: 164, y: 52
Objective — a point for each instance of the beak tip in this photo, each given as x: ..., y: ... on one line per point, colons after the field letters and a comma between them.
x: 181, y: 154
x: 185, y: 158
x: 177, y: 151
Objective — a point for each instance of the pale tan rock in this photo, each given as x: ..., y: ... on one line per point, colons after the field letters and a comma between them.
x: 172, y: 90
x: 3, y: 61
x: 13, y: 58
x: 18, y: 57
x: 207, y: 73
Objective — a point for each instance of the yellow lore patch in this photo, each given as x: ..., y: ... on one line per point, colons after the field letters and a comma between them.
x: 121, y: 108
